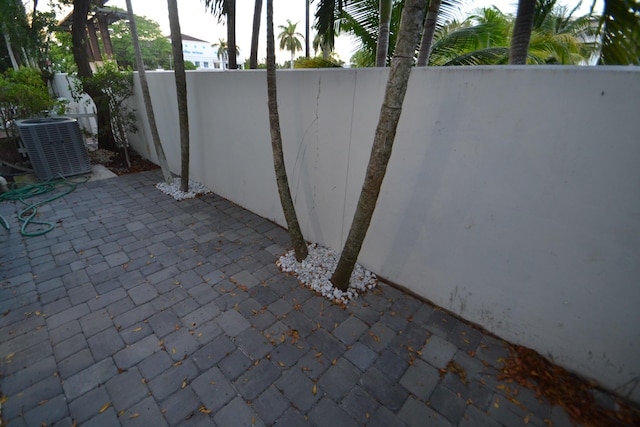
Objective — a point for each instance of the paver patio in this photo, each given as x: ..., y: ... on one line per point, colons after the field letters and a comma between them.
x: 138, y: 310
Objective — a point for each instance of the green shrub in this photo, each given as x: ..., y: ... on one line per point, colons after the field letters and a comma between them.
x: 23, y: 94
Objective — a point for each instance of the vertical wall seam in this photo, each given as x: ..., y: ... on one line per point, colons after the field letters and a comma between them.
x: 346, y: 178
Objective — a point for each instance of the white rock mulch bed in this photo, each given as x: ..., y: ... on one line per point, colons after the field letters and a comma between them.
x: 315, y: 272
x: 173, y: 189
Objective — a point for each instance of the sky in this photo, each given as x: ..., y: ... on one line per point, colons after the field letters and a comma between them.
x: 196, y: 22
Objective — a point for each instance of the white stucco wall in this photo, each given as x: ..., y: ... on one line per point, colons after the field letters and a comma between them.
x: 512, y: 197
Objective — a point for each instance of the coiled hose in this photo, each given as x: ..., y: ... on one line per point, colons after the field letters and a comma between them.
x: 28, y: 191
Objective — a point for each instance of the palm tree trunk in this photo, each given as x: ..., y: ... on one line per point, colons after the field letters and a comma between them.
x: 288, y: 208
x: 7, y: 40
x: 522, y: 32
x: 79, y: 48
x: 257, y: 12
x: 181, y: 92
x: 291, y: 63
x: 231, y: 34
x: 428, y: 32
x: 410, y: 26
x: 306, y: 30
x: 383, y: 33
x: 144, y: 86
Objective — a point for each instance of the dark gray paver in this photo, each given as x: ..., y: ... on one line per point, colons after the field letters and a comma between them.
x: 176, y: 377
x: 89, y: 378
x: 144, y: 413
x: 237, y: 413
x: 299, y: 389
x: 415, y: 414
x: 105, y: 343
x: 138, y: 310
x: 420, y: 379
x: 350, y: 330
x: 137, y: 352
x: 235, y: 364
x: 48, y: 412
x: 89, y: 404
x: 213, y: 389
x: 339, y: 379
x: 126, y: 389
x: 256, y: 379
x: 270, y: 405
x: 360, y: 404
x: 361, y: 356
x: 328, y: 414
x: 180, y: 406
x: 31, y: 397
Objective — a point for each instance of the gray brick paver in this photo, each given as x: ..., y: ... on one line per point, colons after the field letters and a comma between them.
x: 420, y: 379
x: 75, y: 363
x: 416, y: 414
x: 89, y: 378
x: 180, y: 406
x: 328, y: 414
x: 137, y: 352
x: 105, y: 343
x: 30, y: 397
x: 298, y: 388
x: 256, y: 379
x: 28, y: 376
x: 233, y: 323
x: 237, y: 414
x: 173, y: 379
x: 180, y: 344
x: 89, y: 404
x: 270, y: 405
x: 234, y: 364
x: 48, y: 412
x: 200, y: 278
x: 126, y: 389
x: 143, y: 414
x: 213, y: 389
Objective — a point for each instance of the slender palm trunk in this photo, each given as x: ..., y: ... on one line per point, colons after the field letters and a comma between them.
x: 306, y: 30
x: 231, y: 34
x: 181, y: 92
x: 410, y: 26
x: 7, y: 40
x: 288, y: 208
x: 164, y: 167
x: 383, y: 33
x: 291, y: 63
x: 522, y: 32
x: 257, y: 12
x: 428, y: 32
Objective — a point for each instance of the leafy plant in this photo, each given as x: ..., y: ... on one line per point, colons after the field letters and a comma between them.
x: 117, y: 86
x: 23, y: 94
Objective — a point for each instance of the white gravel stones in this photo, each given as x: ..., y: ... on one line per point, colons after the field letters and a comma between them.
x: 315, y: 272
x: 173, y: 189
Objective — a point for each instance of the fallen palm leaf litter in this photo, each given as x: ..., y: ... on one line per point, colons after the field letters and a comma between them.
x: 526, y: 368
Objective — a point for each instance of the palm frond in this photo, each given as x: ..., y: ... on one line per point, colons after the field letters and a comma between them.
x: 488, y: 56
x: 619, y: 28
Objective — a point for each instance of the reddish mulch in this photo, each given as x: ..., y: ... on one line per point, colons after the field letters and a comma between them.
x: 119, y: 164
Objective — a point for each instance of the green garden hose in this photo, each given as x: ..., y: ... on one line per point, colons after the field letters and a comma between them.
x: 27, y: 215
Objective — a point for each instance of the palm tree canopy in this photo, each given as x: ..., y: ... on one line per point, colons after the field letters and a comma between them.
x: 290, y: 38
x: 619, y: 29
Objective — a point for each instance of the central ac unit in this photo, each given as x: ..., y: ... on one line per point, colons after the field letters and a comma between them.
x: 55, y: 147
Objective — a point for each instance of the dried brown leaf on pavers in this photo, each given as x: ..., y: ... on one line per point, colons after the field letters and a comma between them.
x: 527, y: 368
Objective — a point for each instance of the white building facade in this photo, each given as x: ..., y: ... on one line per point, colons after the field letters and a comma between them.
x: 200, y: 52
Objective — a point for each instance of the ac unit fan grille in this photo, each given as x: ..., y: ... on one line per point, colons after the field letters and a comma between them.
x: 55, y: 147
